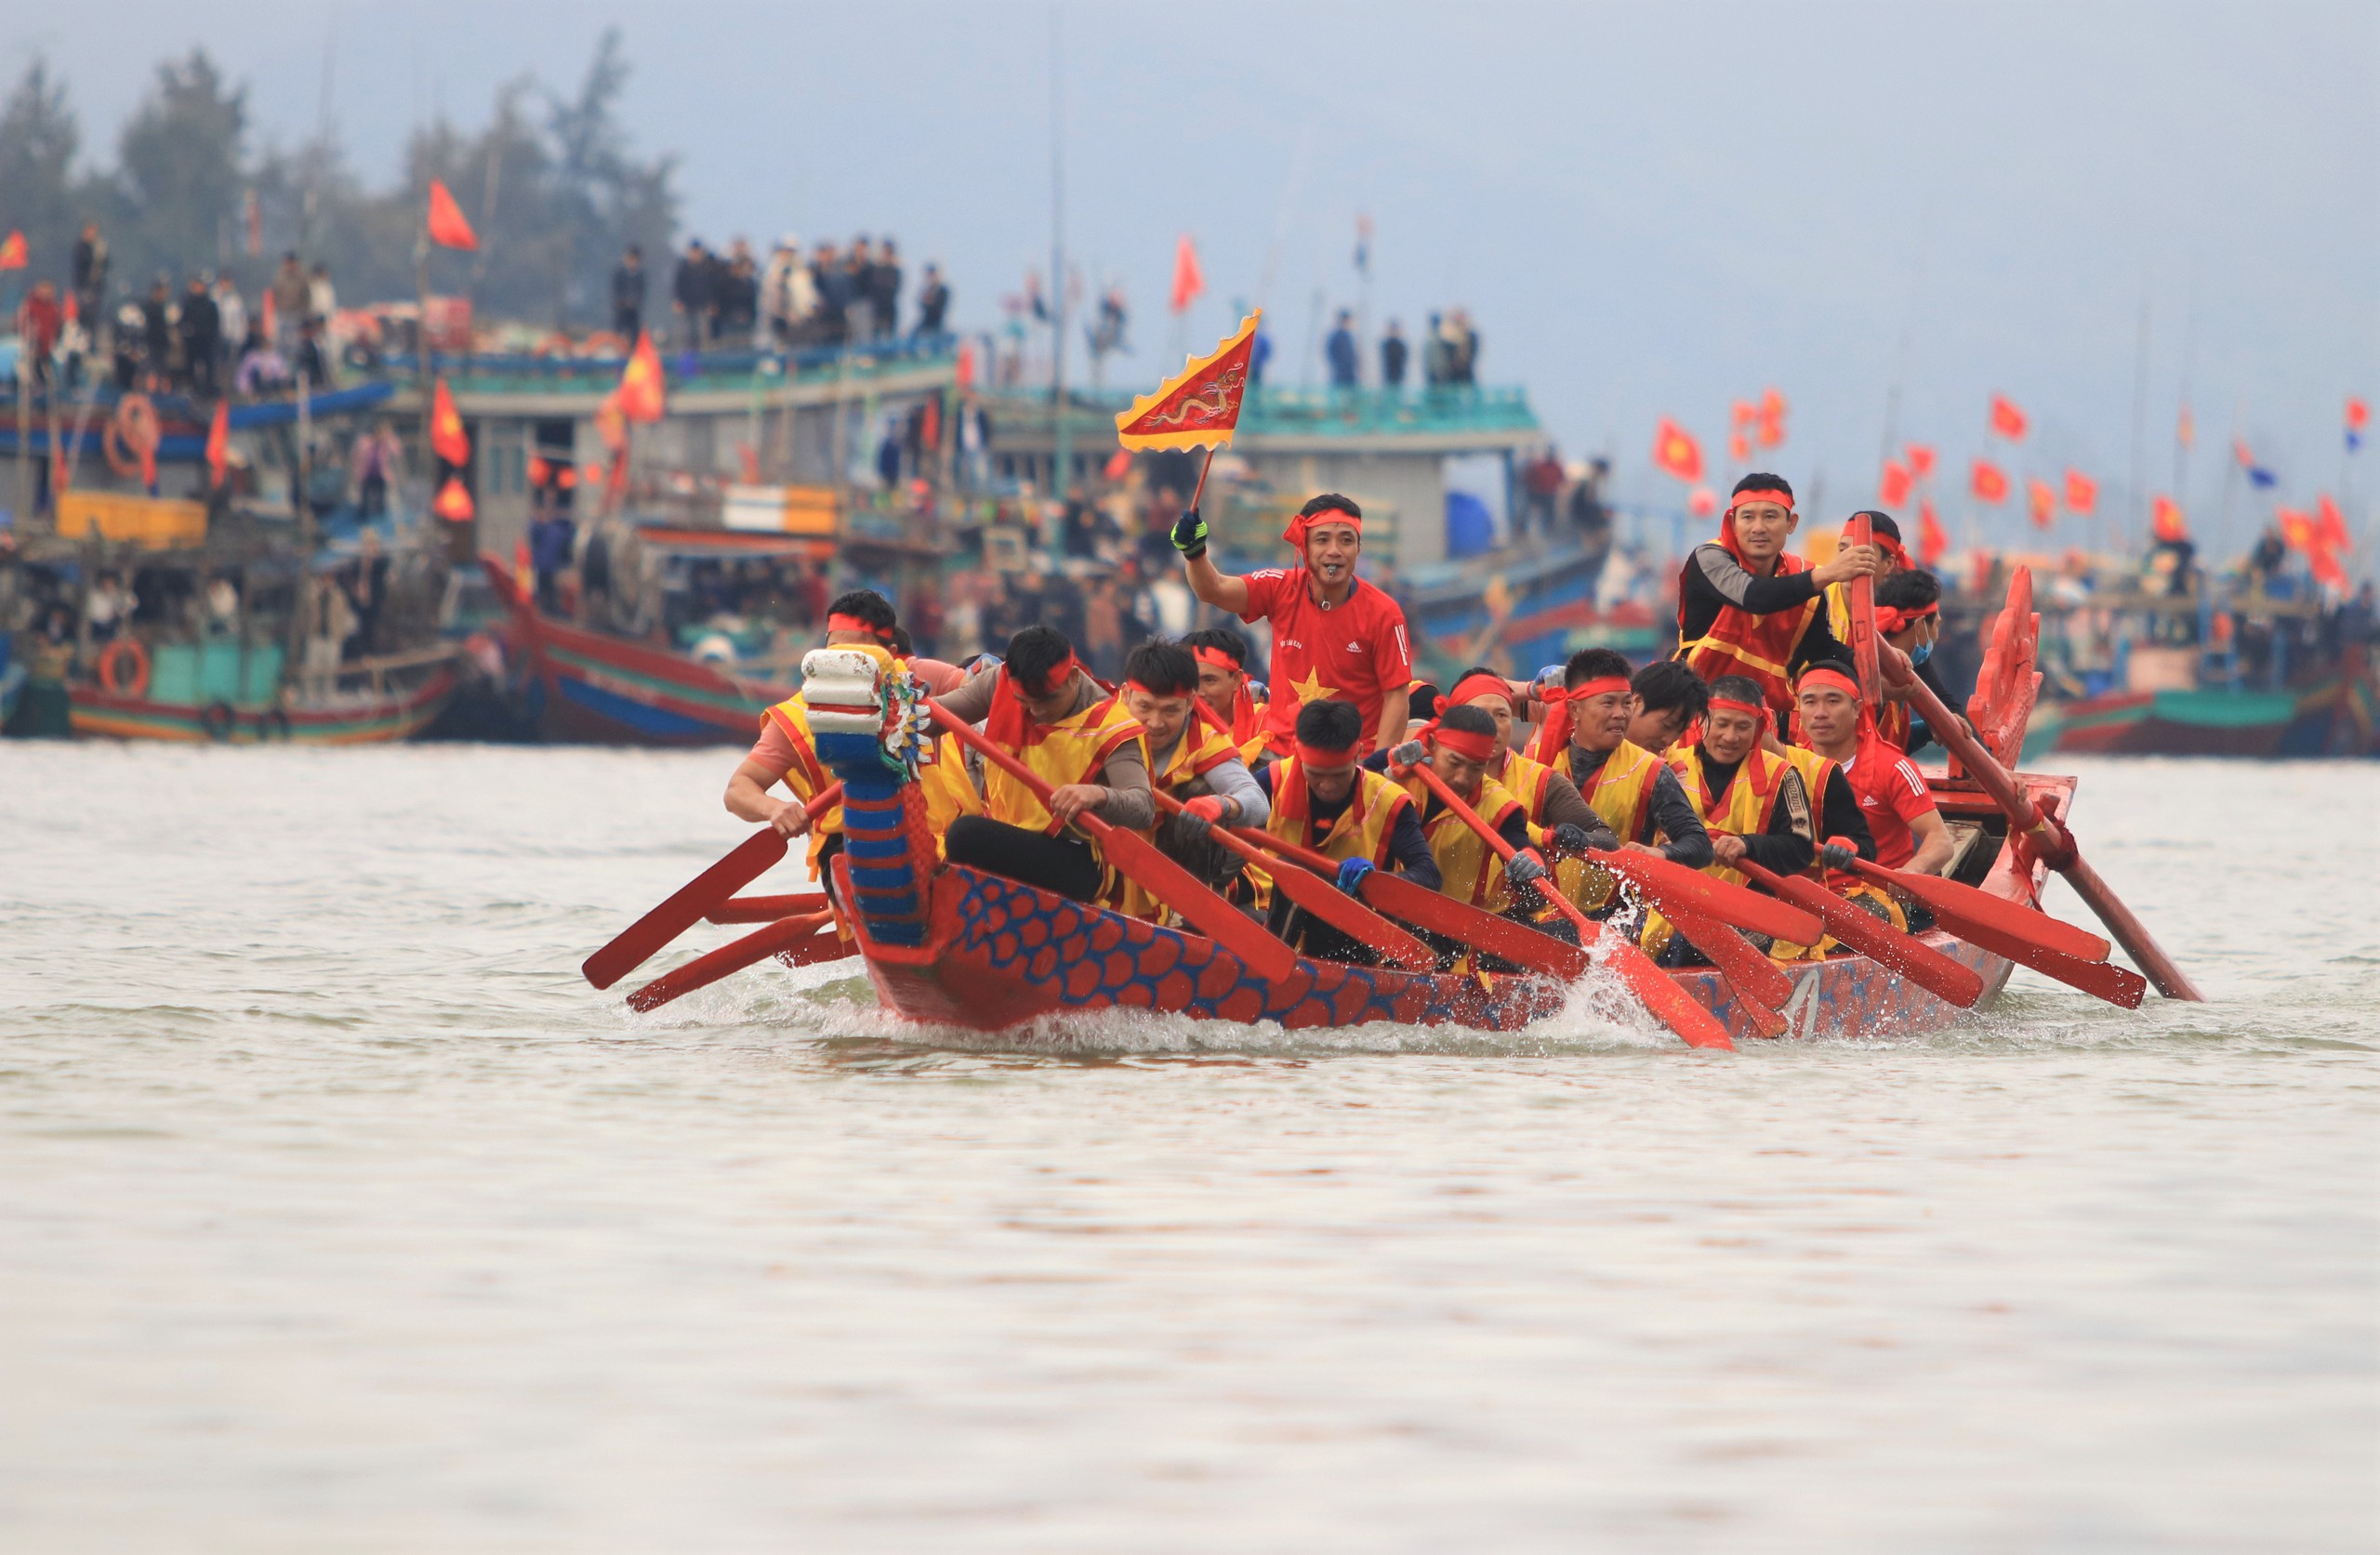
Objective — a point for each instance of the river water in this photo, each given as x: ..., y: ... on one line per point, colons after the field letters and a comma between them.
x: 336, y: 1213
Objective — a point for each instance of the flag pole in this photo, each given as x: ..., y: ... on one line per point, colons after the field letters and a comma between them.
x: 1201, y: 490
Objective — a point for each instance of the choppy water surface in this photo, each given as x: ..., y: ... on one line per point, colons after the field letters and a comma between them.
x: 338, y: 1214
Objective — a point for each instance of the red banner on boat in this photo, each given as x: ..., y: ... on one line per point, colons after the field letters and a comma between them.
x: 1199, y: 407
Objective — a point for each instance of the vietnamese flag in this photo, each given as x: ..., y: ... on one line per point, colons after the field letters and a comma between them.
x: 1894, y: 489
x: 2166, y: 518
x: 1675, y: 450
x: 642, y: 392
x: 2333, y: 525
x: 454, y: 503
x: 2007, y: 419
x: 1933, y: 541
x: 2081, y: 491
x: 2296, y: 529
x: 2043, y: 501
x: 218, y: 443
x: 1189, y: 281
x: 1921, y: 460
x: 1772, y: 418
x: 448, y: 439
x: 1988, y: 483
x: 2358, y: 415
x: 447, y: 228
x: 12, y: 252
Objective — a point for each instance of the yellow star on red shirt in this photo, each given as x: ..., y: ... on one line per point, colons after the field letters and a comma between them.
x: 1311, y: 689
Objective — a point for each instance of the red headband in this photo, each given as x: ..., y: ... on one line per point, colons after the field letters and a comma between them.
x: 1892, y: 618
x: 854, y: 623
x: 1463, y: 742
x: 1148, y: 691
x: 1218, y: 658
x: 1304, y: 525
x: 1312, y: 757
x: 1009, y: 723
x: 1893, y: 548
x: 1758, y: 709
x: 1762, y: 493
x: 1554, y: 731
x: 1827, y: 675
x: 1470, y: 686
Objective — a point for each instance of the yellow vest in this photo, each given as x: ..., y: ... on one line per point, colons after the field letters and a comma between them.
x: 949, y: 789
x: 1072, y: 750
x: 1526, y: 780
x: 1744, y: 809
x: 1622, y: 795
x: 807, y: 778
x: 1468, y: 869
x: 1362, y: 828
x: 1200, y: 750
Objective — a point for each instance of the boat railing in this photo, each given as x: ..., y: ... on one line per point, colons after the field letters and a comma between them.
x: 526, y: 372
x: 1274, y: 411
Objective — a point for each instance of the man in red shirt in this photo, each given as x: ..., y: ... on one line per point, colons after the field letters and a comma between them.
x: 1335, y: 637
x: 1893, y: 797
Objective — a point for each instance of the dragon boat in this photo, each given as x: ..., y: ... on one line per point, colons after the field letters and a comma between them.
x: 947, y: 944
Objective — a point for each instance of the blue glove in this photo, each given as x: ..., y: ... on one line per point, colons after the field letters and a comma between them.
x: 1190, y: 535
x: 1525, y: 868
x: 1351, y: 872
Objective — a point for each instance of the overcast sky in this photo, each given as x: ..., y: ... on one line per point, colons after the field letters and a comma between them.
x: 1649, y: 209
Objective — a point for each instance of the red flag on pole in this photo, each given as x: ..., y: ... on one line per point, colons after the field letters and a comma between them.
x: 1988, y: 485
x: 2007, y: 419
x: 1771, y: 429
x: 2165, y: 519
x: 2043, y: 501
x: 1921, y: 460
x: 642, y: 393
x: 454, y: 503
x: 448, y: 439
x: 218, y: 443
x: 12, y: 252
x: 447, y: 228
x: 1675, y: 450
x: 1933, y: 541
x: 2082, y: 492
x: 2333, y: 524
x: 1197, y: 407
x: 1894, y: 489
x: 1189, y: 281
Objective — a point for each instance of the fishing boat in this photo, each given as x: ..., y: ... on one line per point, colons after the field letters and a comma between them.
x: 589, y: 687
x: 946, y: 945
x: 394, y: 697
x: 2336, y: 715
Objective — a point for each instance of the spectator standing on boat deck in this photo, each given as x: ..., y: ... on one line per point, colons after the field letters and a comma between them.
x: 202, y: 331
x: 1334, y: 635
x: 1041, y: 708
x: 39, y: 318
x: 1339, y: 350
x: 89, y: 274
x: 628, y: 295
x: 232, y: 319
x: 322, y: 297
x: 779, y: 310
x: 1437, y: 367
x: 291, y: 297
x: 376, y: 458
x: 824, y: 324
x: 157, y: 336
x: 691, y: 298
x: 1393, y: 353
x: 933, y: 302
x: 885, y: 290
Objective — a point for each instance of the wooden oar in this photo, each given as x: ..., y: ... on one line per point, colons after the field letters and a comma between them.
x: 745, y: 863
x: 1760, y: 985
x: 1327, y: 901
x: 765, y: 909
x: 1859, y: 593
x: 1976, y: 906
x: 1423, y: 908
x: 1873, y: 938
x: 1671, y: 886
x: 1671, y: 1004
x: 798, y: 939
x: 2051, y: 842
x: 1137, y: 856
x: 2115, y: 984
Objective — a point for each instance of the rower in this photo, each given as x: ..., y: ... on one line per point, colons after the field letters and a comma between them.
x: 1335, y: 637
x: 1190, y: 755
x: 1325, y: 799
x: 1637, y: 798
x: 1042, y: 705
x: 1884, y: 534
x: 1745, y: 607
x: 1225, y: 687
x: 1558, y: 816
x: 783, y: 753
x: 1458, y: 745
x: 1665, y: 699
x: 1893, y: 799
x: 1908, y: 615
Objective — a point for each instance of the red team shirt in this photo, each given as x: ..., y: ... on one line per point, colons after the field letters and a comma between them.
x: 1892, y: 793
x: 1353, y: 652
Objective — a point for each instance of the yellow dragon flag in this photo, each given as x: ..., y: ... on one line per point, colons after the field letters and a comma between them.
x: 1199, y: 407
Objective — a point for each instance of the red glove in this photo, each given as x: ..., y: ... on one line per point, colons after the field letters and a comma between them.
x: 1206, y: 807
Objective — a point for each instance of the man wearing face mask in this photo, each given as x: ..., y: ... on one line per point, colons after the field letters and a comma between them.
x: 1745, y: 607
x: 1335, y: 637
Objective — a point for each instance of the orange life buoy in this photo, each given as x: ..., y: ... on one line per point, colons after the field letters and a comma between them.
x: 132, y: 437
x: 111, y: 667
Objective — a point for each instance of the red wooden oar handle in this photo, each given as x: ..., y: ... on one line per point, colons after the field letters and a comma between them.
x: 765, y: 909
x: 1671, y: 884
x: 1859, y: 593
x: 2009, y: 917
x: 1327, y: 901
x: 2003, y: 934
x: 1137, y: 856
x: 1660, y: 995
x: 786, y: 934
x: 1875, y: 939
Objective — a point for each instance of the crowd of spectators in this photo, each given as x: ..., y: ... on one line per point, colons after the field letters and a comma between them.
x: 790, y: 301
x: 1449, y: 353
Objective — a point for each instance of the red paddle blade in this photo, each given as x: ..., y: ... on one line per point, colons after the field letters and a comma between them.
x: 1671, y: 1005
x: 1516, y: 943
x: 1669, y: 883
x: 765, y: 909
x: 2115, y: 984
x: 733, y: 957
x: 1350, y: 918
x: 1758, y: 981
x: 1210, y: 915
x: 2025, y: 923
x: 1881, y: 943
x: 750, y: 859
